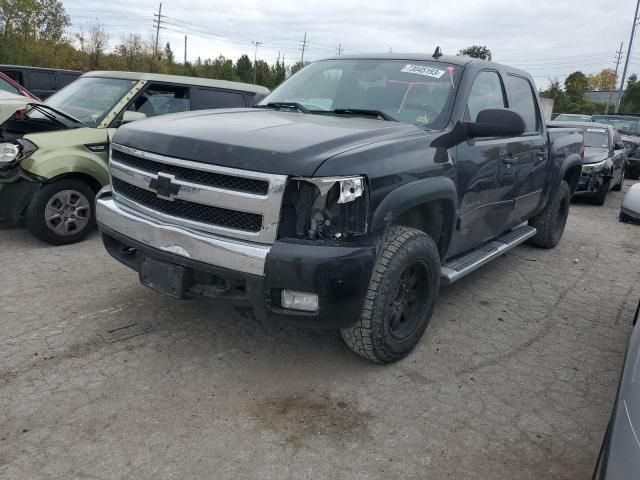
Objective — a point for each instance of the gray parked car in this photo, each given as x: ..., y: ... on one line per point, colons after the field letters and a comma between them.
x: 619, y: 457
x: 630, y: 209
x: 604, y: 161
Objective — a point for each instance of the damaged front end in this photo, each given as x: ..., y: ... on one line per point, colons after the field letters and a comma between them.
x: 11, y: 154
x: 593, y: 178
x: 325, y: 208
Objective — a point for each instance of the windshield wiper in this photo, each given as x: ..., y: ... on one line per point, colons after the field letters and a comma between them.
x: 366, y: 112
x: 296, y: 105
x: 46, y: 111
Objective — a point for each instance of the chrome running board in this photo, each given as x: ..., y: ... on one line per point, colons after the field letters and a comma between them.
x: 457, y: 268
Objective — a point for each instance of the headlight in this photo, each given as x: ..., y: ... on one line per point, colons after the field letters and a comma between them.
x: 594, y: 167
x: 8, y: 152
x: 324, y: 208
x: 12, y: 153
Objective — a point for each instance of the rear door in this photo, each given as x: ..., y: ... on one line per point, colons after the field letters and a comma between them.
x: 484, y: 207
x: 523, y: 172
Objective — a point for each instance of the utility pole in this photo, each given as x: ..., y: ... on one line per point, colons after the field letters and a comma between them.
x: 615, y: 76
x: 158, y: 21
x: 626, y: 63
x: 339, y: 49
x: 255, y: 60
x: 185, y: 49
x: 304, y: 45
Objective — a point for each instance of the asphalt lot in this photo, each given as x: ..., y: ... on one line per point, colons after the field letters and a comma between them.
x: 514, y: 379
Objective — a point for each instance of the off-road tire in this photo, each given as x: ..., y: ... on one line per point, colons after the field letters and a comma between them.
x: 600, y: 197
x: 551, y: 222
x: 35, y: 212
x: 372, y: 337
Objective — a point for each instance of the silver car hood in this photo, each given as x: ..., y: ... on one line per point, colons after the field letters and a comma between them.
x: 10, y: 104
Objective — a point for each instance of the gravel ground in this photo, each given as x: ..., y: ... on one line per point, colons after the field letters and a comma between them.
x: 514, y: 379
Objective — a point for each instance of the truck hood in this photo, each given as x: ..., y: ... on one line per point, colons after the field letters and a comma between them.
x: 258, y: 139
x: 10, y: 104
x: 594, y: 155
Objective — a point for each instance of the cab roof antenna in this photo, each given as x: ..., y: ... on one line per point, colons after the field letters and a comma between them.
x: 438, y: 53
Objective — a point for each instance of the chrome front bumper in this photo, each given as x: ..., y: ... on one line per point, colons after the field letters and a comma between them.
x: 211, y: 249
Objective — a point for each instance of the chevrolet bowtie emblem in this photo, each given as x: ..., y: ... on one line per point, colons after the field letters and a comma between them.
x: 164, y: 186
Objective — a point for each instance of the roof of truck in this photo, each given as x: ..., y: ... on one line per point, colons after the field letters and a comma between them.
x: 459, y: 60
x: 180, y: 79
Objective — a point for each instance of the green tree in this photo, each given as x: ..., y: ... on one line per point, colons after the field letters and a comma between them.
x: 243, y: 69
x: 630, y: 102
x: 576, y: 85
x: 295, y: 67
x: 476, y: 51
x: 167, y: 54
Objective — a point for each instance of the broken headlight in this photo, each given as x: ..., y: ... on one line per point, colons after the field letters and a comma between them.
x: 324, y: 208
x: 13, y: 152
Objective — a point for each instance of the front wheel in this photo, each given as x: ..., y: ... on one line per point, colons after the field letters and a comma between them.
x: 601, y: 195
x: 62, y: 212
x: 618, y: 186
x: 551, y: 222
x: 402, y: 294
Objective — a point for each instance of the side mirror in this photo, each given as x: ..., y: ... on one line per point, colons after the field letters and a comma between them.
x: 129, y: 117
x: 496, y: 122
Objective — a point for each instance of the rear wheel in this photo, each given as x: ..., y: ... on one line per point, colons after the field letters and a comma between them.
x: 551, y: 222
x: 402, y: 294
x: 62, y: 212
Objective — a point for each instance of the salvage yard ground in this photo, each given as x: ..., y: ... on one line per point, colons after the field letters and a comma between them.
x: 515, y: 377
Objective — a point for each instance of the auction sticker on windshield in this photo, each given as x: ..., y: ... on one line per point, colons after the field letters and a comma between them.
x: 423, y: 70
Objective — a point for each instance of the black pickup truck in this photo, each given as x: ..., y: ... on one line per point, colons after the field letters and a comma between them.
x: 347, y: 196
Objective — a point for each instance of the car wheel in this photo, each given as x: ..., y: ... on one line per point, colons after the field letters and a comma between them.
x: 402, y: 294
x: 551, y: 222
x: 62, y: 212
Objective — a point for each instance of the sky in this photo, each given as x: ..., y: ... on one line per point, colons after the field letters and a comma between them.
x: 548, y: 38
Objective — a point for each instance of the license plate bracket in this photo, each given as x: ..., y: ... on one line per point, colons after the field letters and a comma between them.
x: 164, y: 277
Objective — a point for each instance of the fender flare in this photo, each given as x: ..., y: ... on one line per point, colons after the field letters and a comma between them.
x: 571, y: 161
x: 412, y: 195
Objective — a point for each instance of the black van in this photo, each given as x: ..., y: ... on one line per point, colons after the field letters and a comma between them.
x: 42, y: 82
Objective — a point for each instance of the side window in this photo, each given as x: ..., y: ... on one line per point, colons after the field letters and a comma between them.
x: 14, y: 75
x: 522, y: 101
x: 486, y: 92
x: 42, y: 80
x: 7, y: 87
x: 204, y: 98
x: 67, y: 78
x: 162, y: 99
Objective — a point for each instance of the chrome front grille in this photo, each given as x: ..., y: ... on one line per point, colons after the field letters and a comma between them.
x: 235, y: 203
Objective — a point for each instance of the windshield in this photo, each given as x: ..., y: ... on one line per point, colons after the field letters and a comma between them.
x: 572, y: 117
x: 596, y: 137
x: 405, y: 90
x: 630, y: 126
x: 90, y: 99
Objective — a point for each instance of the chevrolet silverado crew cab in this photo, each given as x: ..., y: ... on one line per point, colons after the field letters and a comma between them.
x: 346, y: 197
x: 53, y: 155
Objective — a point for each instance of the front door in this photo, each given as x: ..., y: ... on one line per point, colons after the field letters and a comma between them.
x: 523, y: 172
x: 484, y: 207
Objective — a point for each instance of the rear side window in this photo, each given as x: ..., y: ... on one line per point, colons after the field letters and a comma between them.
x: 7, y: 87
x: 486, y: 92
x: 522, y: 101
x: 67, y: 78
x: 42, y: 80
x: 160, y: 99
x: 204, y: 98
x: 14, y: 75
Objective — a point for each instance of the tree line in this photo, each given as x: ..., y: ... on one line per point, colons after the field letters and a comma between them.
x: 34, y: 32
